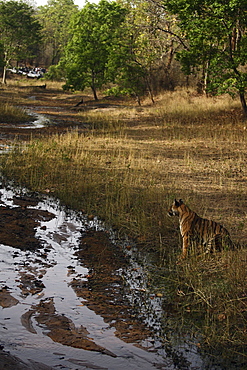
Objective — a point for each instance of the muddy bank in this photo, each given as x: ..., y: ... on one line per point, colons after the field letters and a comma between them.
x: 73, y: 295
x: 67, y: 287
x: 104, y: 288
x: 63, y: 279
x: 51, y: 112
x: 17, y: 226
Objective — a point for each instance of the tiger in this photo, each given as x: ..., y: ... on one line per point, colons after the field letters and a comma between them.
x: 198, y: 232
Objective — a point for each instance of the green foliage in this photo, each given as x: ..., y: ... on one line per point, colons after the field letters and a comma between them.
x: 147, y: 50
x: 55, y: 19
x: 19, y: 30
x: 1, y: 55
x: 118, y: 91
x: 217, y: 42
x: 54, y: 73
x: 132, y: 77
x: 95, y: 34
x: 124, y: 44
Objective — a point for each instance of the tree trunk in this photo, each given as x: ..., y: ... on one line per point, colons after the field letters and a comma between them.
x: 138, y: 99
x: 149, y: 90
x: 244, y: 105
x: 6, y: 64
x: 93, y: 86
x: 205, y: 82
x: 4, y: 74
x: 94, y: 93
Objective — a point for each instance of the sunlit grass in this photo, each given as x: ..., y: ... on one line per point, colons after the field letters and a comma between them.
x: 104, y: 176
x: 12, y: 114
x: 127, y: 168
x: 131, y: 163
x: 207, y: 298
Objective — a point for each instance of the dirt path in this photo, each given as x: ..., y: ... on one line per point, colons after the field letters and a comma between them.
x: 55, y: 105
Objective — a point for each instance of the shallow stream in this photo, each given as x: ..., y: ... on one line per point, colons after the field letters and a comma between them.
x: 80, y: 299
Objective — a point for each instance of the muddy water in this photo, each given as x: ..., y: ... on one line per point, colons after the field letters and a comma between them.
x: 72, y: 296
x: 37, y: 121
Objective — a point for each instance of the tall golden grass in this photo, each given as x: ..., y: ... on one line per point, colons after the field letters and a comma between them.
x: 128, y: 167
x: 12, y: 114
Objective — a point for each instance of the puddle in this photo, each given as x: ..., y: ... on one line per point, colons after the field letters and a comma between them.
x: 78, y: 298
x: 39, y: 121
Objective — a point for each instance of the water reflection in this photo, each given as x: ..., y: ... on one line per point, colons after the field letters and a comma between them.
x: 47, y: 277
x: 38, y: 120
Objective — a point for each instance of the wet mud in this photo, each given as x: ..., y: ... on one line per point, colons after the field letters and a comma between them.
x: 17, y: 226
x: 67, y: 286
x: 68, y: 291
x: 104, y: 288
x: 73, y: 296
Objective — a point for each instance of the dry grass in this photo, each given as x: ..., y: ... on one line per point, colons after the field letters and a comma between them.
x: 207, y: 300
x: 185, y: 146
x: 128, y: 168
x: 191, y: 147
x: 12, y: 114
x: 16, y: 82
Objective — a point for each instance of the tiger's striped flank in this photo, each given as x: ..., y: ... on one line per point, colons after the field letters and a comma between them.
x: 198, y: 233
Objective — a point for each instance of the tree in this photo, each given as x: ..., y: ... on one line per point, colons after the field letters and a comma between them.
x: 55, y: 19
x: 1, y: 55
x: 19, y: 32
x: 149, y: 51
x: 95, y: 33
x: 136, y: 53
x: 217, y: 43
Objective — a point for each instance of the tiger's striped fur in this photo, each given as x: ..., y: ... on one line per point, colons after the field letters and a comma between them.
x: 201, y: 234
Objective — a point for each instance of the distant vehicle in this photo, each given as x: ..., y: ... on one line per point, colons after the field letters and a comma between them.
x: 30, y: 73
x: 23, y: 71
x: 20, y: 72
x: 33, y: 74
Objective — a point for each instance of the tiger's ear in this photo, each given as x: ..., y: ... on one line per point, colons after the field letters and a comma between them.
x: 177, y: 203
x: 180, y: 201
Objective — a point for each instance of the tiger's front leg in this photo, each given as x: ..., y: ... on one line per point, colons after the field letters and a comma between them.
x: 185, y: 245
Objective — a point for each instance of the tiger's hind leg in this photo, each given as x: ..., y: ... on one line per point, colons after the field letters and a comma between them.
x: 218, y: 243
x: 226, y: 242
x: 209, y: 246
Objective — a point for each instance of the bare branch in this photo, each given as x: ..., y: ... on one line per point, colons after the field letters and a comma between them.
x: 175, y: 35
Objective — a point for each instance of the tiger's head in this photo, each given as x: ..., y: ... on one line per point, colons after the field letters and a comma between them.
x: 173, y: 210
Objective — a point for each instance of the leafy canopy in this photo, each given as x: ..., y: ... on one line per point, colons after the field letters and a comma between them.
x: 215, y: 31
x: 19, y: 30
x: 55, y: 20
x: 95, y: 33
